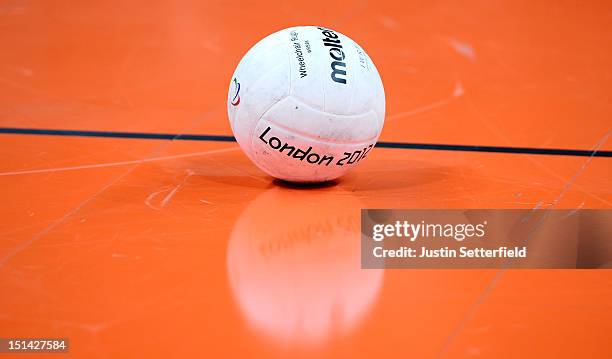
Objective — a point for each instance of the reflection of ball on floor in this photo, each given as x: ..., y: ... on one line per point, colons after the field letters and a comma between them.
x: 298, y: 278
x: 306, y: 104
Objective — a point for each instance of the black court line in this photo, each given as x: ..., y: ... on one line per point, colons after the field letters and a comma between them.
x: 113, y: 134
x: 397, y: 145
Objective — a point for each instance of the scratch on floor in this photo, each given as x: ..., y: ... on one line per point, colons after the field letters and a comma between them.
x: 120, y: 163
x: 152, y: 196
x: 169, y: 196
x: 573, y: 212
x: 211, y: 45
x: 458, y: 91
x: 165, y: 200
x: 464, y: 49
x: 582, y: 168
x: 389, y: 22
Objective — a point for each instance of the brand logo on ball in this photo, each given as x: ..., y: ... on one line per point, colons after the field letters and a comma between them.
x: 338, y: 66
x: 236, y: 99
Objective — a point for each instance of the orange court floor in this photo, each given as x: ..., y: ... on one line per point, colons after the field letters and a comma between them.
x: 179, y: 247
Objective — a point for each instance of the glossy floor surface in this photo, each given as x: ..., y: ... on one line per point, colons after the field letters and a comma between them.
x: 144, y: 248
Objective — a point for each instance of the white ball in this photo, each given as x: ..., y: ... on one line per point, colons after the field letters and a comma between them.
x: 306, y: 104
